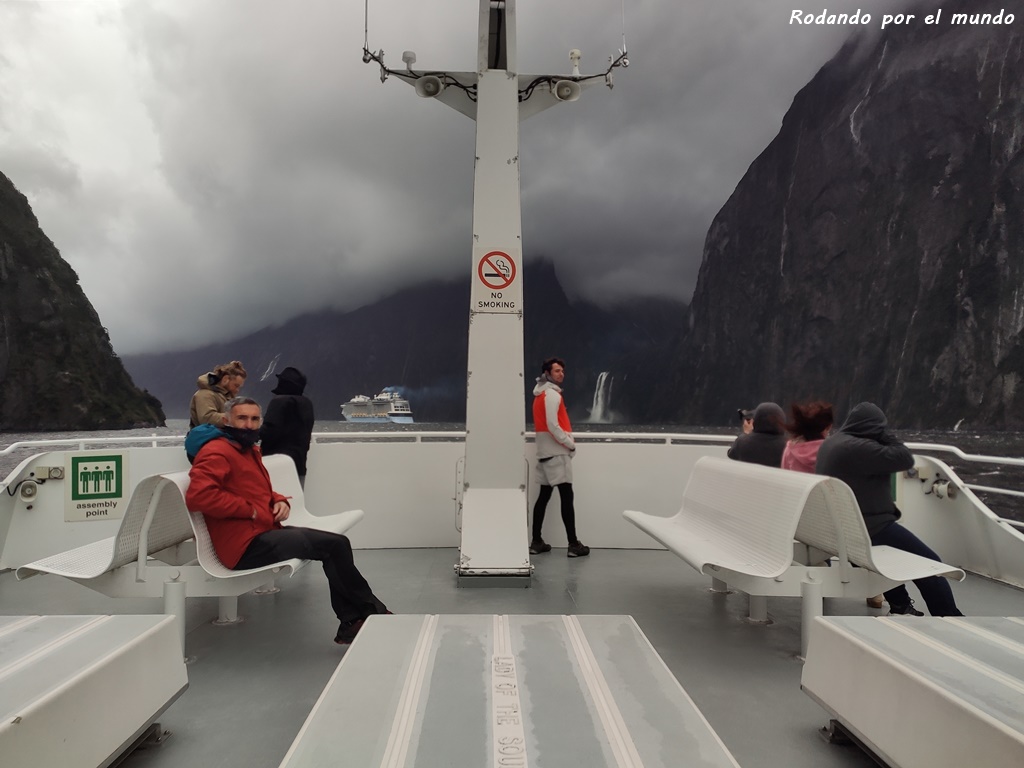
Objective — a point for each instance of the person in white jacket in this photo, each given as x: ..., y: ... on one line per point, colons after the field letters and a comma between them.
x: 555, y: 449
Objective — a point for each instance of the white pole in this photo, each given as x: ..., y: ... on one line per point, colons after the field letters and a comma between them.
x: 174, y: 605
x: 494, y: 535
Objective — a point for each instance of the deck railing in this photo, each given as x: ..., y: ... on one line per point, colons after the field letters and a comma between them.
x: 655, y: 438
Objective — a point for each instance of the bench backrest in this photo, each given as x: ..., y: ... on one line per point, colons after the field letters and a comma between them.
x: 754, y: 510
x: 761, y: 509
x: 284, y: 478
x: 833, y: 523
x: 154, y: 520
x: 205, y: 553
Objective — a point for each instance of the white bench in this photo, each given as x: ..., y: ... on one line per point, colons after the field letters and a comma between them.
x: 163, y: 550
x: 923, y: 691
x: 483, y: 690
x: 747, y: 526
x: 83, y: 690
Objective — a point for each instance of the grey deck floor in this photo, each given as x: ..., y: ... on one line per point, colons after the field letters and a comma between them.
x: 252, y: 685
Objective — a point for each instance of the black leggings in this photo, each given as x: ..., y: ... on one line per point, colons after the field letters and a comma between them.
x: 568, y: 510
x: 351, y: 596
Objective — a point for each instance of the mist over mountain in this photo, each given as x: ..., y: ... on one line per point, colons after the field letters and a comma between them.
x: 875, y: 249
x: 57, y: 368
x: 417, y: 340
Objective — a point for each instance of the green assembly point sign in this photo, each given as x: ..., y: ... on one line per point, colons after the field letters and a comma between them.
x: 95, y: 487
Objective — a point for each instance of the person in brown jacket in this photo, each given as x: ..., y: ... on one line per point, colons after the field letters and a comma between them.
x: 215, y: 388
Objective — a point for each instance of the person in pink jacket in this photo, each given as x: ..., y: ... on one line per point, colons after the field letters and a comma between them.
x: 809, y: 426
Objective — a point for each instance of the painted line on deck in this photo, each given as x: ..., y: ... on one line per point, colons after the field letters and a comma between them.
x: 405, y: 716
x: 623, y: 748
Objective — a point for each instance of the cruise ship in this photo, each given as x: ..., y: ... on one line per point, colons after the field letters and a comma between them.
x: 387, y: 406
x: 494, y: 658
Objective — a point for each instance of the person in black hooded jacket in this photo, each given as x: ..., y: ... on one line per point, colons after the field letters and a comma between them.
x: 288, y: 424
x: 864, y: 454
x: 767, y: 441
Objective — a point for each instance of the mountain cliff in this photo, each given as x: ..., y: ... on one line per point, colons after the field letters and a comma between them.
x: 875, y: 249
x: 417, y: 339
x: 57, y: 368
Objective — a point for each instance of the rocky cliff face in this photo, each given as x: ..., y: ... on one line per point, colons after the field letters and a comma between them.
x: 875, y: 249
x: 57, y: 368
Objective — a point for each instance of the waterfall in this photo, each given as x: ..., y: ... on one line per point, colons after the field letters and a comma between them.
x: 270, y: 368
x: 600, y: 409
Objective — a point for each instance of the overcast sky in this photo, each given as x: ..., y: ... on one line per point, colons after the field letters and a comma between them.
x: 210, y: 167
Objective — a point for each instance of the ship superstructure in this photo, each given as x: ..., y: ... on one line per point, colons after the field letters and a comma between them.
x: 386, y: 406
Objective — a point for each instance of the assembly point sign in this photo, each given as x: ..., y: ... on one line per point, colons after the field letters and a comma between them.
x: 96, y: 487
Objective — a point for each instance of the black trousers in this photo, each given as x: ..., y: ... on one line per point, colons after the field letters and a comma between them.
x: 565, y: 495
x: 934, y: 589
x: 351, y: 596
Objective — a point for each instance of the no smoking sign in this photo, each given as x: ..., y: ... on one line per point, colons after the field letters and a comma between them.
x: 496, y: 288
x: 496, y: 270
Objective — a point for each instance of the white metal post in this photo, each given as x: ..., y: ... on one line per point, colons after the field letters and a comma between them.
x: 174, y: 605
x: 811, y: 606
x: 758, y: 609
x: 493, y: 491
x: 227, y: 611
x: 494, y: 536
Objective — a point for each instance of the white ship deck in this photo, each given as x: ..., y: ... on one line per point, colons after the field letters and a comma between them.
x: 251, y: 686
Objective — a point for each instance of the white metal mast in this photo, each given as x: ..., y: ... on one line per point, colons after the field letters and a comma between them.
x: 493, y: 492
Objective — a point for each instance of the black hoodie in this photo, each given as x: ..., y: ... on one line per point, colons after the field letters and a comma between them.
x: 288, y: 424
x: 863, y: 454
x: 767, y: 442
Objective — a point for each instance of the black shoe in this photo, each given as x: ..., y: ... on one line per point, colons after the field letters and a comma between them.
x: 539, y: 547
x: 579, y: 549
x: 347, y: 631
x: 904, y: 610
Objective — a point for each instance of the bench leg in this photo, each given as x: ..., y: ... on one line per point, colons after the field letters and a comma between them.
x: 267, y: 589
x: 174, y: 605
x: 758, y: 610
x: 227, y: 611
x: 717, y: 585
x: 811, y: 606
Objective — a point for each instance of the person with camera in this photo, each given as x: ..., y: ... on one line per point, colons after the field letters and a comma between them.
x: 766, y: 440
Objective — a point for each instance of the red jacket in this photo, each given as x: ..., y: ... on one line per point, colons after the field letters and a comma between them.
x: 551, y: 421
x: 227, y: 484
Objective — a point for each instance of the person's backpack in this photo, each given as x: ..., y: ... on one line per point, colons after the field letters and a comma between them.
x: 198, y: 437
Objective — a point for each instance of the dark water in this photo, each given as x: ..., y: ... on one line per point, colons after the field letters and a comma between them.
x: 990, y: 443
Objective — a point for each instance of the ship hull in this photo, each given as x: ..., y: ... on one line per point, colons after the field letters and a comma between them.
x: 379, y: 419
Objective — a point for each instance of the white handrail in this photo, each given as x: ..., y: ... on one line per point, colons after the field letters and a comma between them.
x: 82, y: 441
x: 968, y: 456
x: 990, y: 489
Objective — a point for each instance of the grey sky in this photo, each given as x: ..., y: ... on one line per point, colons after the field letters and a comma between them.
x: 210, y: 167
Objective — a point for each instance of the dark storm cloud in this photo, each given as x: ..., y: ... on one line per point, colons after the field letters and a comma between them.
x: 210, y: 168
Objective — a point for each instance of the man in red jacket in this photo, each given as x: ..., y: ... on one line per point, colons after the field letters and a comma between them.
x: 232, y: 488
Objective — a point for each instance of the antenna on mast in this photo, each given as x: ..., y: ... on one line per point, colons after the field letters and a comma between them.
x: 622, y: 53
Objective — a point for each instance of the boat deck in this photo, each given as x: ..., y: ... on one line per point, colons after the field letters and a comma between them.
x: 253, y: 684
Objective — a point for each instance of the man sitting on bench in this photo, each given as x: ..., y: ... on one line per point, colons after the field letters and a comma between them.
x: 863, y: 454
x: 231, y: 487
